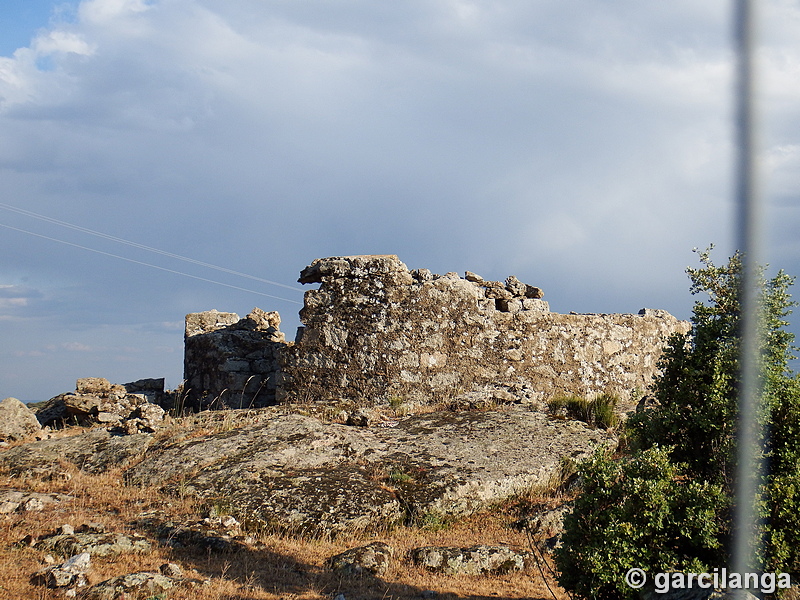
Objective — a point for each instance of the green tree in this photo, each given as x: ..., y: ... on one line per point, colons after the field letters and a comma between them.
x: 691, y: 436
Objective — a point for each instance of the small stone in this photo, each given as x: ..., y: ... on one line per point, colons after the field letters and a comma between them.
x: 33, y: 505
x: 470, y: 276
x: 66, y: 529
x: 515, y: 286
x: 229, y: 522
x: 359, y: 418
x: 8, y: 507
x: 80, y: 563
x: 533, y: 292
x: 48, y: 559
x: 171, y: 570
x: 142, y: 584
x: 108, y: 417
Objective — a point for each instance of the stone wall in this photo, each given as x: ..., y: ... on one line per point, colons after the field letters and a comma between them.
x: 375, y: 332
x: 231, y: 362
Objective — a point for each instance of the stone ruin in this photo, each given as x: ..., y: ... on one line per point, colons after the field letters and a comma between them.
x: 231, y: 362
x: 375, y: 332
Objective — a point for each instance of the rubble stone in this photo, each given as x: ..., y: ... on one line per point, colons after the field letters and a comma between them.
x: 96, y: 400
x: 17, y: 421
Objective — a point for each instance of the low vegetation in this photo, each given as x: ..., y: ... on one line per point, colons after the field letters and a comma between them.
x: 667, y: 505
x: 597, y: 411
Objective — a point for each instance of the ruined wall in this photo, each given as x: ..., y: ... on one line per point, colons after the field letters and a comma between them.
x: 376, y: 332
x: 231, y: 362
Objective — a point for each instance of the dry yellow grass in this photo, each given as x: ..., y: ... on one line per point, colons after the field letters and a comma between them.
x: 281, y: 568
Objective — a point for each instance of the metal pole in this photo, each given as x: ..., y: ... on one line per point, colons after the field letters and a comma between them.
x: 749, y: 227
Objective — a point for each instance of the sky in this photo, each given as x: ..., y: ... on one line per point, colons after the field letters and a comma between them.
x: 584, y: 146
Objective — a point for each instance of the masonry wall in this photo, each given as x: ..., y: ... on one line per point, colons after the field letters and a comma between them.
x: 374, y: 332
x: 231, y: 362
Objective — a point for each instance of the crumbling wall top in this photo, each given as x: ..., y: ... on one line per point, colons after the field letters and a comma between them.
x: 351, y: 266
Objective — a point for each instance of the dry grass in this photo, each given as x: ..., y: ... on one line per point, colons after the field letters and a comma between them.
x: 277, y: 567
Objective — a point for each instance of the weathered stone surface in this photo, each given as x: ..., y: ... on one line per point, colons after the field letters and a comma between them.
x: 300, y: 474
x: 71, y: 572
x: 171, y: 570
x: 16, y: 420
x: 373, y: 558
x: 201, y: 535
x: 476, y: 560
x: 12, y: 500
x: 152, y: 389
x: 375, y: 331
x: 231, y: 362
x: 93, y: 543
x: 94, y: 452
x: 133, y: 585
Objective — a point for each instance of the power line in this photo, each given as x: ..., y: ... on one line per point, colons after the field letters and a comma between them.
x: 139, y: 262
x: 119, y: 240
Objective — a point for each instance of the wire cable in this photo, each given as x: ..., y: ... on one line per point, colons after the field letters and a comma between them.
x: 139, y: 262
x: 119, y: 240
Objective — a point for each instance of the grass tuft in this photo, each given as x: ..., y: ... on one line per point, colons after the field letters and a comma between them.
x: 597, y: 412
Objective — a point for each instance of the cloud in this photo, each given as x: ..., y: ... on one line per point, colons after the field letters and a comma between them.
x: 585, y: 147
x: 75, y: 347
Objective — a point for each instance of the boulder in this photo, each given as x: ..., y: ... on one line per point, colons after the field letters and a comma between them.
x: 372, y: 559
x: 17, y: 421
x: 94, y: 452
x: 138, y: 585
x: 71, y: 572
x: 94, y: 541
x: 476, y: 560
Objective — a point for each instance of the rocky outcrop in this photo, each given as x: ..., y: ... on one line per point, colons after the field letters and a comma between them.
x: 143, y: 584
x: 231, y: 362
x: 16, y: 420
x: 476, y: 560
x: 94, y: 452
x: 93, y: 540
x: 12, y: 500
x: 376, y: 332
x: 299, y: 474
